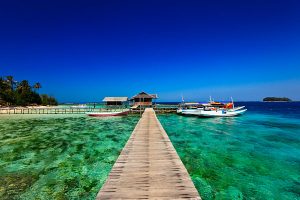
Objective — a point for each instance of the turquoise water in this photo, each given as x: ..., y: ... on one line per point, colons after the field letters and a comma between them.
x: 58, y: 156
x: 255, y: 156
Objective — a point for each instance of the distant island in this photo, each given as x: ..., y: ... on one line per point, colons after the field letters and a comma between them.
x: 277, y: 99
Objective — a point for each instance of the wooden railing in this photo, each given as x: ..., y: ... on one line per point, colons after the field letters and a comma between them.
x: 76, y: 110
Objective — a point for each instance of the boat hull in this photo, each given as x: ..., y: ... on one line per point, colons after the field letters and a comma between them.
x: 108, y: 114
x: 189, y: 111
x: 221, y: 113
x: 79, y: 106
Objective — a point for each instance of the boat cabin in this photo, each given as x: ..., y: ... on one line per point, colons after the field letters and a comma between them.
x: 143, y: 99
x: 115, y: 101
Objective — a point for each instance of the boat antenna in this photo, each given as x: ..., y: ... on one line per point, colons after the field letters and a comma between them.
x: 182, y: 99
x: 232, y: 102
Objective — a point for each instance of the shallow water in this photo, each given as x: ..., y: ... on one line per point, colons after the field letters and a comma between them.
x: 255, y: 156
x: 58, y: 156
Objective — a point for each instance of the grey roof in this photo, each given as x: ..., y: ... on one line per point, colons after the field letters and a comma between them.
x: 115, y: 99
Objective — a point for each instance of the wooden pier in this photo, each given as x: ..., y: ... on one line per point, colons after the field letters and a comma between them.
x: 49, y: 110
x: 77, y: 110
x: 148, y: 167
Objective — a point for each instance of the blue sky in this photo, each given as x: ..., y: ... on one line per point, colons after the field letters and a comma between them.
x: 85, y: 50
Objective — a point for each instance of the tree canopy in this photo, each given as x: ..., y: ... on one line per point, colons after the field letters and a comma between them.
x: 22, y: 93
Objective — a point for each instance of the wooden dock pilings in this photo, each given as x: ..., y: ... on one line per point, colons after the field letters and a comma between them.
x: 148, y: 167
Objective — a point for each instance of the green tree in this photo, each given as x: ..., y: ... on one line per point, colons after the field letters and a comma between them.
x: 23, y: 87
x: 48, y: 100
x: 44, y: 98
x: 25, y: 95
x: 3, y: 87
x: 14, y: 93
x: 37, y: 86
x: 10, y: 80
x: 6, y: 90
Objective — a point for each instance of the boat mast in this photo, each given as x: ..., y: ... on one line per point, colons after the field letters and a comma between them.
x: 232, y: 102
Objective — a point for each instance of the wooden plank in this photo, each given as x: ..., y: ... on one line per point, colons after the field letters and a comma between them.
x: 148, y: 167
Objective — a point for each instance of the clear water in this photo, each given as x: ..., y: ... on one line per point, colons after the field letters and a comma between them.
x: 58, y: 156
x: 255, y: 156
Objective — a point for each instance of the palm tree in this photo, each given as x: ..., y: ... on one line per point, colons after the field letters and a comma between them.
x: 2, y: 84
x: 23, y: 86
x: 2, y: 88
x: 7, y: 89
x: 11, y: 82
x: 37, y: 86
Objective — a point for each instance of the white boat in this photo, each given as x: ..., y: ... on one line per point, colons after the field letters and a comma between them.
x: 108, y: 114
x: 79, y: 106
x: 238, y: 108
x: 179, y: 110
x: 221, y: 113
x: 189, y: 111
x: 229, y: 110
x: 213, y: 109
x: 188, y: 108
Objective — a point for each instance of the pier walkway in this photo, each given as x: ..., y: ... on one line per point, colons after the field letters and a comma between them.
x: 77, y: 110
x: 148, y: 167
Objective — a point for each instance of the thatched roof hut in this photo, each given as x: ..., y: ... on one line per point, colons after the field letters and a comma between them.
x: 143, y: 99
x: 144, y: 95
